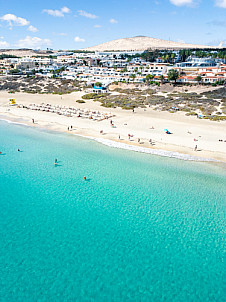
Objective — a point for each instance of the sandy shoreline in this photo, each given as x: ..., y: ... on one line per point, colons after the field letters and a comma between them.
x: 187, y: 131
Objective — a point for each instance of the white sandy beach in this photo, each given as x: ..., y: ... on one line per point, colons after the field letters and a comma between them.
x: 187, y: 131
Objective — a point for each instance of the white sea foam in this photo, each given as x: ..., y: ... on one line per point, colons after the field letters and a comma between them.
x: 158, y: 152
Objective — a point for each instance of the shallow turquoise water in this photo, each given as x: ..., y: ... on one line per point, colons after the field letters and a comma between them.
x: 141, y: 228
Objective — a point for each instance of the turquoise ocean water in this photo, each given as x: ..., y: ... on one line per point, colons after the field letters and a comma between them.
x: 141, y: 228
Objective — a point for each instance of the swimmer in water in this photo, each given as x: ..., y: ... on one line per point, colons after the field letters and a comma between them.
x: 84, y: 178
x: 18, y: 150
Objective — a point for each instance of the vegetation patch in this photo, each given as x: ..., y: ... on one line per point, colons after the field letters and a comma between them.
x: 93, y: 96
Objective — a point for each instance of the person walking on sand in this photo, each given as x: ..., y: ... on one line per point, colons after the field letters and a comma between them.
x: 119, y: 137
x: 33, y: 121
x: 196, y: 147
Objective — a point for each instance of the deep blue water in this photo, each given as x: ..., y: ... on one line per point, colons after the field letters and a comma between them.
x: 141, y: 228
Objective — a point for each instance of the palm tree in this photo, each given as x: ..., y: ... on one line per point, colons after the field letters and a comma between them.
x: 149, y: 78
x: 133, y: 76
x: 173, y: 75
x: 167, y: 58
x: 198, y: 79
x: 161, y: 78
x: 172, y: 57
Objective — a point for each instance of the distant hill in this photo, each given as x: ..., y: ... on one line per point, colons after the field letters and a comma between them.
x: 25, y: 52
x: 142, y: 43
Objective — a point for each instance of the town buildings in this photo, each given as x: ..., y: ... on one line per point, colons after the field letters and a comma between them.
x: 108, y: 67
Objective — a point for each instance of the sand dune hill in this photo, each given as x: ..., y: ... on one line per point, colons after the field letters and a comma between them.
x: 141, y: 43
x: 23, y: 52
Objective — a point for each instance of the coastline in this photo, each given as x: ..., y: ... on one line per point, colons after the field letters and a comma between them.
x: 180, y: 146
x: 117, y: 144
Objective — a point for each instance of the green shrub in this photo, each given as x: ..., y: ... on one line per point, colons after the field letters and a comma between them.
x: 89, y: 96
x: 218, y: 118
x: 191, y: 113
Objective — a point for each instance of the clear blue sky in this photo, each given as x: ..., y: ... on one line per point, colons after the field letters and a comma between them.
x: 77, y: 24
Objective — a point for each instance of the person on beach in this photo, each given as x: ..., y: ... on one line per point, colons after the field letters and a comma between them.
x: 68, y: 128
x: 33, y: 121
x: 71, y: 127
x: 150, y: 141
x: 101, y: 131
x: 196, y: 147
x: 138, y: 140
x: 119, y: 137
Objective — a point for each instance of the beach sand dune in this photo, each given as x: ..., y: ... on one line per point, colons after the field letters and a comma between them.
x: 141, y: 43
